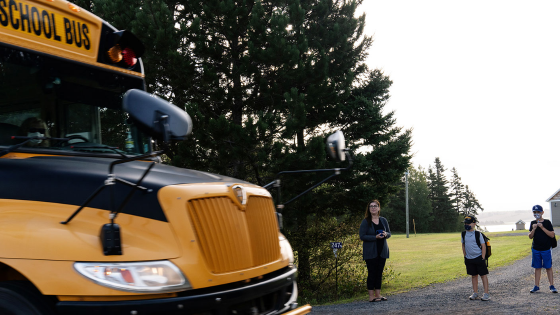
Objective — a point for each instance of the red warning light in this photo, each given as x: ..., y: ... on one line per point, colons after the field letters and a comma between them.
x: 129, y: 57
x: 123, y: 49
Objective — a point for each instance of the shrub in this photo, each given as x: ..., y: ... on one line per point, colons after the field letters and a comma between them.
x: 340, y: 277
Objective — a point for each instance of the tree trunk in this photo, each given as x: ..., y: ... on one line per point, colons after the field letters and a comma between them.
x: 300, y: 141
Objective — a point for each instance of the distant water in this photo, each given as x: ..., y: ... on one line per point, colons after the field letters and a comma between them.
x: 500, y: 228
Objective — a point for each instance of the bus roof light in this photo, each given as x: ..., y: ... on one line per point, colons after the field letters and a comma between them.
x: 125, y: 47
x: 115, y: 54
x: 74, y: 7
x: 129, y: 57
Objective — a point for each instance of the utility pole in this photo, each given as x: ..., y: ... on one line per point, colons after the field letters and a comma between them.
x: 406, y: 189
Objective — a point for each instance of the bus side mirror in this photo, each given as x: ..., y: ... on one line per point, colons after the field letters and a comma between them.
x: 157, y: 117
x: 336, y: 146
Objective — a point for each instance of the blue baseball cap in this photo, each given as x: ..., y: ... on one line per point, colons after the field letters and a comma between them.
x: 470, y: 219
x: 537, y: 208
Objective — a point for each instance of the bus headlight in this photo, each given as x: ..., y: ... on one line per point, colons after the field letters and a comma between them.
x: 146, y: 277
x: 286, y: 248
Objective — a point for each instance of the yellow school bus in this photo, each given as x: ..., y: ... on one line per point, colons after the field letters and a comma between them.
x: 90, y: 221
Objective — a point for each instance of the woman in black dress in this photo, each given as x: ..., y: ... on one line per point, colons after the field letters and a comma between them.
x: 374, y: 232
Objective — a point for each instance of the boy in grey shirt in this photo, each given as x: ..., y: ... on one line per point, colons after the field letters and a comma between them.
x: 475, y: 257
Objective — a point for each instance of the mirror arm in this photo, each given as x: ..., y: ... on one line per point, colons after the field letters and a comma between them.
x: 85, y: 204
x: 163, y: 122
x: 112, y: 179
x: 350, y: 164
x: 134, y: 187
x: 348, y: 153
x: 312, y: 187
x: 269, y: 184
x: 134, y: 158
x: 337, y: 171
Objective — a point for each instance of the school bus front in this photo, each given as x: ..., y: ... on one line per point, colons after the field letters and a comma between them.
x: 90, y: 220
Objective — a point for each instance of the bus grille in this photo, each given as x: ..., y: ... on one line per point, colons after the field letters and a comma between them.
x: 231, y: 239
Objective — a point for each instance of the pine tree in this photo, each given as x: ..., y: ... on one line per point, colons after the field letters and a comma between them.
x: 331, y: 88
x: 457, y: 192
x: 395, y: 209
x: 445, y: 217
x: 265, y: 82
x: 471, y: 206
x: 419, y: 202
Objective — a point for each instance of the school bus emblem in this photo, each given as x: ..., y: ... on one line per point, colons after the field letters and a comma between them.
x: 240, y: 193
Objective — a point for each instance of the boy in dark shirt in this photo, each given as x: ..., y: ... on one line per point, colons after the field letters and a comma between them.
x: 541, y: 231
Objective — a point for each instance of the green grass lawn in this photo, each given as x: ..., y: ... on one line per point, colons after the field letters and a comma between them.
x: 431, y: 258
x: 424, y: 259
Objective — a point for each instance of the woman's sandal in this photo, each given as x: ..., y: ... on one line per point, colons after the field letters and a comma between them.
x: 382, y: 298
x: 377, y: 300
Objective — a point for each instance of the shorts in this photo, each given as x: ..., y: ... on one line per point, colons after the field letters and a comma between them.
x: 476, y: 266
x: 542, y: 259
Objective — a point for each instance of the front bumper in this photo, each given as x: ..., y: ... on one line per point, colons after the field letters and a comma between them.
x: 276, y: 293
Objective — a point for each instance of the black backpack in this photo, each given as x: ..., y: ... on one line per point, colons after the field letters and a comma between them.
x: 486, y: 241
x: 553, y: 240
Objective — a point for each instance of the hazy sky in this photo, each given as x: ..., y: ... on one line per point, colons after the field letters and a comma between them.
x: 479, y: 83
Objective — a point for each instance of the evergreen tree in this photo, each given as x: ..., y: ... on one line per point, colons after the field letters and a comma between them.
x: 457, y: 192
x: 395, y: 210
x: 419, y: 201
x: 445, y: 217
x: 265, y: 82
x: 471, y: 206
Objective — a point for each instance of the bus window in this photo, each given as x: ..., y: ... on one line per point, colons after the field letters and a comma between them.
x: 76, y: 102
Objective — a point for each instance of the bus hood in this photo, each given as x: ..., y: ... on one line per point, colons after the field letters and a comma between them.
x: 71, y: 180
x: 39, y: 192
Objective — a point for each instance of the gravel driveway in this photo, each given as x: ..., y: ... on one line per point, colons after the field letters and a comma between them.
x: 509, y: 291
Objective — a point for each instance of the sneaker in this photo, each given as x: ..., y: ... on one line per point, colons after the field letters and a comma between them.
x: 485, y: 297
x: 553, y: 289
x: 473, y: 296
x: 535, y: 289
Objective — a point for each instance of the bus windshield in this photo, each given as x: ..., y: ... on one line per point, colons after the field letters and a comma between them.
x: 42, y: 96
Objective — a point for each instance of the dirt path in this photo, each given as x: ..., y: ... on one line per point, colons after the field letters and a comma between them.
x: 509, y: 292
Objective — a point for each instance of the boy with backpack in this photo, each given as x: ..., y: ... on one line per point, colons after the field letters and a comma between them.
x: 541, y: 232
x: 475, y: 256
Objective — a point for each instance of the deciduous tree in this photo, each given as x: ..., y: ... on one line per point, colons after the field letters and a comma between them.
x: 419, y: 204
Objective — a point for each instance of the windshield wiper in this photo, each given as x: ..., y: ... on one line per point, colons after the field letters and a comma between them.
x: 101, y: 146
x: 27, y: 139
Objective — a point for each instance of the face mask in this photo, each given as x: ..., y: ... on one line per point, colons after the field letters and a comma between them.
x: 537, y: 215
x: 35, y: 134
x: 468, y: 227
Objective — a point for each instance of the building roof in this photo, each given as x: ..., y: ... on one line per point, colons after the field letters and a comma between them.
x: 520, y: 222
x: 555, y: 196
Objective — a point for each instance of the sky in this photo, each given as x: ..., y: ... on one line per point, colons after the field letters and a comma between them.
x: 479, y: 83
